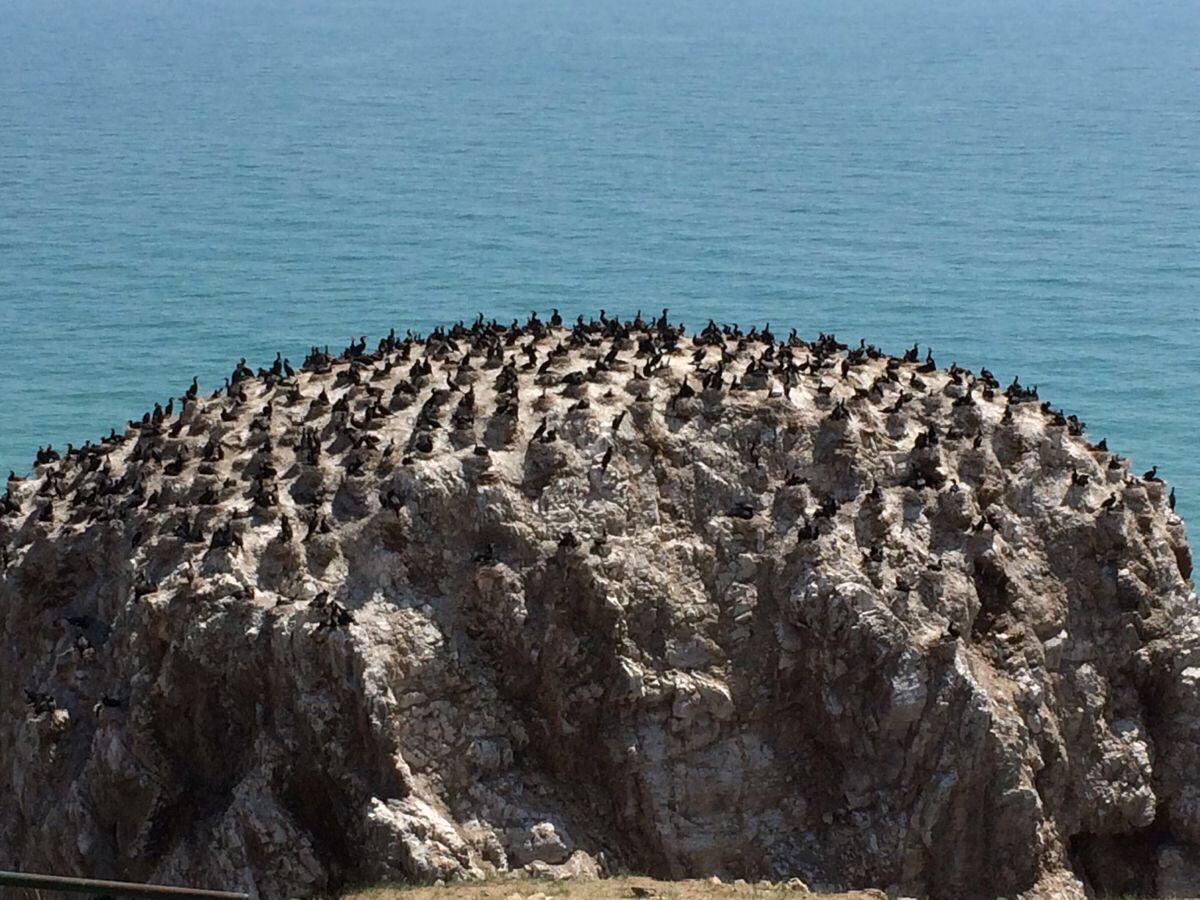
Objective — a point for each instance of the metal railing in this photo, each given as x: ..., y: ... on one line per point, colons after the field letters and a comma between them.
x: 112, y: 888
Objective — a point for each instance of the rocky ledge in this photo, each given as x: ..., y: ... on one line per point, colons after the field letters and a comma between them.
x: 602, y: 598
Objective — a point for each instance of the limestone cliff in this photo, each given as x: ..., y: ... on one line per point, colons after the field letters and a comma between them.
x: 608, y: 596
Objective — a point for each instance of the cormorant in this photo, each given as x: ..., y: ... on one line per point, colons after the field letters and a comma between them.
x: 339, y: 616
x: 742, y: 510
x: 109, y: 702
x: 40, y: 701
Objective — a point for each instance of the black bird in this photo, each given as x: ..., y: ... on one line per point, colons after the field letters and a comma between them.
x: 568, y: 541
x: 40, y: 701
x: 338, y: 617
x: 608, y: 458
x: 394, y: 500
x: 828, y: 509
x: 316, y: 525
x: 685, y: 391
x: 109, y: 702
x: 1152, y: 474
x: 1171, y: 500
x: 742, y: 510
x: 320, y: 600
x: 807, y: 531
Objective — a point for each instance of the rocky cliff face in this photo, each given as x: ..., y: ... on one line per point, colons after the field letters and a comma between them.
x: 610, y: 596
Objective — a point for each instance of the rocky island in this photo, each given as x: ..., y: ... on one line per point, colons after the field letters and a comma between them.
x: 599, y: 597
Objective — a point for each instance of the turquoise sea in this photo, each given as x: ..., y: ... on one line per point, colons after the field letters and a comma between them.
x: 1015, y: 183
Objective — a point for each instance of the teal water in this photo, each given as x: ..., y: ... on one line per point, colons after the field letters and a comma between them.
x: 1015, y: 183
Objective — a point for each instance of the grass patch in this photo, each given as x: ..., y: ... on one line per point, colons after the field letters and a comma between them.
x: 627, y: 888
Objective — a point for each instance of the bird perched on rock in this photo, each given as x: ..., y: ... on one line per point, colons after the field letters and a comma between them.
x: 107, y: 702
x: 742, y: 510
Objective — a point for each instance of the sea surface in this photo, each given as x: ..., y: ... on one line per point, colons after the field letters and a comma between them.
x: 1015, y: 183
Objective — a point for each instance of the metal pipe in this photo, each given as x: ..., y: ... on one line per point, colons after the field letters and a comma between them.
x: 116, y: 888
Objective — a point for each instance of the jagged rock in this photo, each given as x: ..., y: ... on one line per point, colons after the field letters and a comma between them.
x: 834, y: 625
x: 578, y: 867
x: 539, y: 843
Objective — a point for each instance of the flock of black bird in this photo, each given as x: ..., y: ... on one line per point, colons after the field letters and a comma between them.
x: 166, y: 471
x: 83, y: 479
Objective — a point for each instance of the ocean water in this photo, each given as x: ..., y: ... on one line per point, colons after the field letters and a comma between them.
x: 1015, y: 183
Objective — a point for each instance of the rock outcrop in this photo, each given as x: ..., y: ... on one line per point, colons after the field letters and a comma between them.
x: 608, y: 597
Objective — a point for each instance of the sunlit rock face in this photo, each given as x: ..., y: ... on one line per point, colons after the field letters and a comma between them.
x: 600, y: 598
